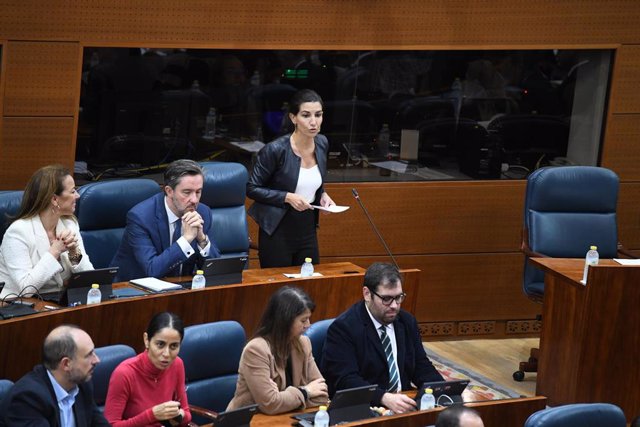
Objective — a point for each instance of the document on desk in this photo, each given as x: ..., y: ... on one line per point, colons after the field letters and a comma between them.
x: 332, y: 208
x: 298, y: 275
x: 248, y: 146
x: 155, y: 285
x: 627, y: 261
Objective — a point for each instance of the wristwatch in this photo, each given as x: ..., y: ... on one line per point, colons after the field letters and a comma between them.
x: 75, y: 258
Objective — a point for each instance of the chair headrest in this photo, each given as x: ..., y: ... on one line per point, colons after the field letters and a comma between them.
x: 105, y: 204
x: 579, y: 414
x: 110, y: 357
x: 223, y: 341
x: 9, y: 205
x: 572, y: 189
x: 225, y: 184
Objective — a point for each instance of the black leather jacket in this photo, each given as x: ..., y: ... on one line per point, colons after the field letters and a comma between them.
x: 275, y: 174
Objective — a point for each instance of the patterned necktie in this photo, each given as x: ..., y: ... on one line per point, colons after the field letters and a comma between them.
x: 394, y: 379
x: 177, y: 231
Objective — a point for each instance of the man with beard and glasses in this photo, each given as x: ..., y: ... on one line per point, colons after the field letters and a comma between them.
x: 167, y: 234
x: 375, y: 342
x: 58, y: 392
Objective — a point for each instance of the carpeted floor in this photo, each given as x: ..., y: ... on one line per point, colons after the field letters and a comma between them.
x: 483, y: 387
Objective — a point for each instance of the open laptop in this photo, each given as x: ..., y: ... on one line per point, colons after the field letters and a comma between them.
x: 452, y: 388
x: 222, y: 271
x: 76, y: 288
x: 240, y: 417
x: 347, y: 405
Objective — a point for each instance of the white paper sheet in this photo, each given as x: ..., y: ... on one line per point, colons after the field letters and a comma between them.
x: 627, y: 261
x: 333, y: 208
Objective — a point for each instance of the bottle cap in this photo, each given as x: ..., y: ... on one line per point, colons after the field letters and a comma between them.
x: 307, y: 259
x: 95, y: 286
x: 428, y: 390
x: 593, y: 248
x: 323, y: 408
x: 199, y: 272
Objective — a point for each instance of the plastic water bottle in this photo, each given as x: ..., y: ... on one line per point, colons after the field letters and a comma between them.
x: 322, y: 418
x: 384, y: 139
x: 592, y: 258
x: 307, y: 268
x: 198, y: 280
x: 94, y: 296
x: 210, y: 123
x: 427, y: 401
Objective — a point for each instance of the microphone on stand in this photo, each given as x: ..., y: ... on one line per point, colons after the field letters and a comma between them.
x: 366, y: 213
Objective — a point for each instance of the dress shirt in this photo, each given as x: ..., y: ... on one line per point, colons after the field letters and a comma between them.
x: 391, y: 333
x: 65, y: 402
x: 187, y: 249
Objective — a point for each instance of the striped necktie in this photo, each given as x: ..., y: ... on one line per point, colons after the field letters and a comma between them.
x: 394, y: 379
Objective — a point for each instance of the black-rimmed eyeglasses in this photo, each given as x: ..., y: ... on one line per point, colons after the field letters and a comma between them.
x: 387, y: 299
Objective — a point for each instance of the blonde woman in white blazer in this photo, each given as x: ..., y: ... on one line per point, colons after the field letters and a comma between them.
x: 42, y: 247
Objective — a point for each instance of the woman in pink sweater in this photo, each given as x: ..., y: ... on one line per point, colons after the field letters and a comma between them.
x: 149, y: 389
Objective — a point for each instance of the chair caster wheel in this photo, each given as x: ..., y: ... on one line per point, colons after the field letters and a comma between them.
x: 518, y: 376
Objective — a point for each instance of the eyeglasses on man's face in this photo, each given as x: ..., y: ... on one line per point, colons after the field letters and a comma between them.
x: 387, y: 299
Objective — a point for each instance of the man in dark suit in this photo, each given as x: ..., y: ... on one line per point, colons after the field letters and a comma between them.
x: 167, y: 234
x: 375, y: 342
x: 58, y: 392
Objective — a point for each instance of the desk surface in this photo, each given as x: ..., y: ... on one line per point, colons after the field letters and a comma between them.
x: 123, y: 321
x: 495, y: 413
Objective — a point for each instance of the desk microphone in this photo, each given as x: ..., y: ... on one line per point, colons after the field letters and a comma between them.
x: 366, y: 213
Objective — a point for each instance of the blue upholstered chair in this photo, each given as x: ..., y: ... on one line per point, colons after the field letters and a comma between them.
x: 110, y: 357
x: 102, y: 211
x: 225, y: 187
x: 9, y: 205
x: 579, y: 414
x: 566, y: 210
x: 5, y: 386
x: 211, y: 354
x: 317, y: 332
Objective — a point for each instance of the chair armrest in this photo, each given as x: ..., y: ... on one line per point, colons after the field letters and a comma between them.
x: 626, y: 252
x: 526, y: 249
x: 203, y: 412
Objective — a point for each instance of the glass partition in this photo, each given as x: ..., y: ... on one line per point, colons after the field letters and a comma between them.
x: 388, y: 115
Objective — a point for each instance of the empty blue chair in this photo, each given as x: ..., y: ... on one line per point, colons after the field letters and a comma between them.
x: 211, y: 354
x: 9, y: 205
x: 110, y: 357
x: 102, y: 214
x: 225, y: 187
x: 579, y: 414
x: 317, y: 333
x: 566, y: 210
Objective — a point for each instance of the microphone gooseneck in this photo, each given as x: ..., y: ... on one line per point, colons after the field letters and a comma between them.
x: 366, y: 213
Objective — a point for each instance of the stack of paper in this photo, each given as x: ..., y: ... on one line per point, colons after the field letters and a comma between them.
x: 155, y: 285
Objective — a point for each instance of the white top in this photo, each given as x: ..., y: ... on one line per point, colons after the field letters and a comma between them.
x: 309, y: 181
x: 26, y: 263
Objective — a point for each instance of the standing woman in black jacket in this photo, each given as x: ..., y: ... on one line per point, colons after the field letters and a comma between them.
x: 286, y: 180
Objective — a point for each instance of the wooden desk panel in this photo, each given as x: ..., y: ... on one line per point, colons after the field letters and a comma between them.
x: 123, y: 321
x: 590, y: 341
x: 495, y: 413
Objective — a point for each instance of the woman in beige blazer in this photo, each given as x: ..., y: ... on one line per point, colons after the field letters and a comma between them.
x: 42, y: 247
x: 277, y: 370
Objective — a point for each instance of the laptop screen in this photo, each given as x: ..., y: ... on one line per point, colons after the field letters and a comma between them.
x: 224, y: 271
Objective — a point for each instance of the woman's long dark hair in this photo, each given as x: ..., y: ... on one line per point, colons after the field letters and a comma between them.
x: 283, y: 307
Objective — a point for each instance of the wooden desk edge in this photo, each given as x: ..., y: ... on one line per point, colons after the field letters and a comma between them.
x: 535, y: 403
